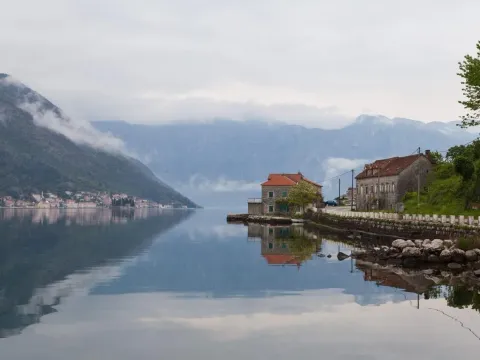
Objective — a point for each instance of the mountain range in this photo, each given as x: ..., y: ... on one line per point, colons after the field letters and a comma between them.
x: 41, y: 149
x: 209, y: 161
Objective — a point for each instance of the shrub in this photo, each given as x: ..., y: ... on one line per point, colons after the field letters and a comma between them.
x: 468, y: 243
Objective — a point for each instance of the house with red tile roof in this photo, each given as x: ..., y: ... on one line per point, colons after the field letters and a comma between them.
x: 383, y: 184
x: 275, y: 189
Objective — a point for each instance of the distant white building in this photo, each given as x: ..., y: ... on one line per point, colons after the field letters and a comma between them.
x: 37, y: 197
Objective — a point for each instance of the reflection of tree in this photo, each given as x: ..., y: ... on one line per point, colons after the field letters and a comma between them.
x: 461, y: 297
x: 434, y: 292
x: 301, y: 246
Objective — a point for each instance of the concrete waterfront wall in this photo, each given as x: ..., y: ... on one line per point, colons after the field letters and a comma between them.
x: 461, y: 220
x: 390, y: 226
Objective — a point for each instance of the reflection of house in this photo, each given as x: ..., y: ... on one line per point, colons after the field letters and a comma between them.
x: 396, y: 278
x: 275, y: 191
x: 284, y: 245
x: 383, y: 183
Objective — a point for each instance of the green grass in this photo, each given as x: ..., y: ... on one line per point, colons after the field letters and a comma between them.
x: 468, y: 243
x: 445, y: 195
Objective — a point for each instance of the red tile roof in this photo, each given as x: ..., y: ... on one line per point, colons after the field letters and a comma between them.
x: 273, y: 259
x: 389, y: 167
x: 287, y: 180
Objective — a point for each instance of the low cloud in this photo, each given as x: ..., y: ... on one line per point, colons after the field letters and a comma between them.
x: 221, y: 184
x: 46, y: 115
x: 333, y: 167
x: 80, y: 132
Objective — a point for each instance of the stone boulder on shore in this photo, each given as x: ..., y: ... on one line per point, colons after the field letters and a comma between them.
x: 437, y: 245
x: 411, y: 251
x: 399, y: 244
x: 458, y: 255
x: 471, y: 255
x: 445, y: 256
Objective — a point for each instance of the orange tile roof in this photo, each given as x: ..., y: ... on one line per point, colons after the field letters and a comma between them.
x: 281, y: 259
x: 389, y: 167
x: 287, y: 180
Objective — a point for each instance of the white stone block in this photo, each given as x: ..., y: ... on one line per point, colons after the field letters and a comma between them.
x: 426, y: 218
x: 419, y: 217
x: 453, y: 219
x: 461, y: 220
x: 471, y: 220
x: 435, y: 217
x: 444, y: 219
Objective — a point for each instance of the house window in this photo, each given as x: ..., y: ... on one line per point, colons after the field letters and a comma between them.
x: 270, y: 245
x: 284, y: 194
x: 361, y: 190
x: 270, y: 194
x: 366, y: 190
x: 270, y: 230
x: 393, y: 187
x: 270, y: 208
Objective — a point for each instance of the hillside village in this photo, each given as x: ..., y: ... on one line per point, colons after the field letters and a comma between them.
x: 79, y: 200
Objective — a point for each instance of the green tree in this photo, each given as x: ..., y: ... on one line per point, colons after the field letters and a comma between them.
x: 464, y: 166
x: 436, y: 157
x: 302, y: 194
x: 470, y: 73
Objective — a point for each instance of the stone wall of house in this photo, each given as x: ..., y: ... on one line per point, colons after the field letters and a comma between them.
x: 255, y: 208
x: 385, y: 192
x: 382, y: 188
x: 408, y: 180
x: 279, y: 192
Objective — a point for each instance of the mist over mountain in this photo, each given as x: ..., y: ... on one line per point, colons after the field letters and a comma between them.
x: 220, y: 158
x: 41, y: 149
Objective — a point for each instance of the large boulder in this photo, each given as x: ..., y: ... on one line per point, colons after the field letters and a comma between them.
x: 477, y: 251
x: 447, y: 243
x: 426, y: 242
x: 399, y: 244
x: 437, y: 245
x: 471, y: 255
x: 458, y: 255
x: 445, y: 256
x: 410, y: 243
x: 342, y: 256
x: 411, y: 252
x: 418, y: 243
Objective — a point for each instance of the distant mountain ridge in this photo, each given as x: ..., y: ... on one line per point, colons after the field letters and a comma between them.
x: 36, y: 153
x: 248, y: 151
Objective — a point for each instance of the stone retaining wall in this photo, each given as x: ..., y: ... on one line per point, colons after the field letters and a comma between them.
x: 434, y: 219
x: 401, y: 228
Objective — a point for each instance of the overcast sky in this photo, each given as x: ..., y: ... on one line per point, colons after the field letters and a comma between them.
x: 313, y: 62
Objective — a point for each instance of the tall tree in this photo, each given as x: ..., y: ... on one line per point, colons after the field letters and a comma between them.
x: 470, y: 73
x: 302, y: 194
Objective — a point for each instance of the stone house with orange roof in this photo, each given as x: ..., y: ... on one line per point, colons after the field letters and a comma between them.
x: 277, y: 188
x: 383, y: 184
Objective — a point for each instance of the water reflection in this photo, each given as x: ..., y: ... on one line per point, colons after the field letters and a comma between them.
x: 207, y: 290
x: 285, y: 245
x: 94, y: 216
x: 43, y: 262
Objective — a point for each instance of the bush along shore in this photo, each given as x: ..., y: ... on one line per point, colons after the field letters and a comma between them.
x: 460, y: 255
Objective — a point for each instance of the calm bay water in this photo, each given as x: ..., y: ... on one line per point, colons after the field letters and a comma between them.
x: 183, y: 285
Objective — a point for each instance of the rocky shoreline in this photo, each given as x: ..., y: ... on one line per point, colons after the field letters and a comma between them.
x: 261, y: 219
x: 420, y: 253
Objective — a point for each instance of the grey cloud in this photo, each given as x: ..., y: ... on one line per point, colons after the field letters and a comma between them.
x: 96, y: 58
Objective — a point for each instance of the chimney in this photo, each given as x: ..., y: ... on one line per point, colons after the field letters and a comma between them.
x: 427, y: 153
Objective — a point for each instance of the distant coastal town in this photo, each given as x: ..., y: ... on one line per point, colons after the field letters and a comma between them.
x: 81, y: 200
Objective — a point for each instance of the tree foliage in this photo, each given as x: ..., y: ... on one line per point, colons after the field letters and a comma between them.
x: 302, y: 194
x: 464, y: 167
x: 470, y: 73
